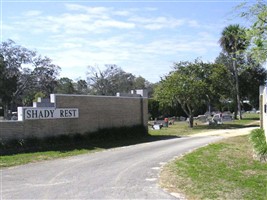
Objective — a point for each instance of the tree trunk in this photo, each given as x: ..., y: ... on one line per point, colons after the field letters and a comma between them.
x: 188, y: 112
x: 191, y: 121
x: 237, y: 89
x: 5, y: 110
x: 235, y: 107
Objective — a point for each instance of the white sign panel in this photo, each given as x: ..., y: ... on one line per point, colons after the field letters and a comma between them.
x: 50, y: 113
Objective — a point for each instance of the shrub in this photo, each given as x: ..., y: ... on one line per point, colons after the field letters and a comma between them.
x: 257, y: 137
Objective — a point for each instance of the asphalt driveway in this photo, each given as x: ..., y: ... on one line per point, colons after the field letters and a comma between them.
x: 121, y: 173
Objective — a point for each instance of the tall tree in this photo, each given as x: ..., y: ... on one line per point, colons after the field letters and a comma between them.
x: 109, y: 81
x: 141, y: 83
x: 191, y: 84
x: 251, y: 78
x: 14, y: 57
x: 81, y: 87
x: 65, y: 86
x: 8, y: 86
x: 29, y: 74
x: 45, y: 74
x: 229, y: 94
x: 234, y: 42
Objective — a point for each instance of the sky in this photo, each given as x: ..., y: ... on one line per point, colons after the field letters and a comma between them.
x: 144, y: 37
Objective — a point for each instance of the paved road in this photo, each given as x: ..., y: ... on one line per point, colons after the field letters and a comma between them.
x: 121, y: 173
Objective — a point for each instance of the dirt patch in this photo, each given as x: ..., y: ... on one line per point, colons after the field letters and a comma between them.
x: 226, y: 132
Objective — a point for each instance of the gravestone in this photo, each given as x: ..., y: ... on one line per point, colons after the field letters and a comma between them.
x: 182, y: 118
x: 202, y: 118
x: 227, y: 117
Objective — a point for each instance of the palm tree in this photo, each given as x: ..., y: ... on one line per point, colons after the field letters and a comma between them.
x: 233, y: 42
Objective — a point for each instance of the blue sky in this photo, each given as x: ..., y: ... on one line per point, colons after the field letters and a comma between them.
x: 142, y: 37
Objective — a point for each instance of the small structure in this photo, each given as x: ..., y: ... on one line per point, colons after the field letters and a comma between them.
x: 263, y: 108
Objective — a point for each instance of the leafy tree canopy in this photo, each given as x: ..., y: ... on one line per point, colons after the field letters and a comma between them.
x: 23, y: 74
x: 256, y: 14
x: 191, y: 85
x: 112, y: 80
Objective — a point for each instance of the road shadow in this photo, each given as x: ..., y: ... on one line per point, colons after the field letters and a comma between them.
x: 69, y: 144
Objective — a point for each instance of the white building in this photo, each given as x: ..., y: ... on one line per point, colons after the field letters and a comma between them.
x: 263, y: 108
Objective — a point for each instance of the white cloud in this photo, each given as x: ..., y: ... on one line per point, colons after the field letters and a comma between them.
x: 156, y: 23
x: 85, y: 35
x: 113, y: 24
x: 88, y: 9
x: 32, y: 13
x: 74, y: 23
x: 123, y: 13
x: 7, y: 27
x: 151, y: 9
x: 193, y: 23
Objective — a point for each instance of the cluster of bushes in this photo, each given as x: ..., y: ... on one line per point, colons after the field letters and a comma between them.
x: 103, y: 137
x: 257, y: 137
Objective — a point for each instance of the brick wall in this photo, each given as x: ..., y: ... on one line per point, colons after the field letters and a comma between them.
x: 95, y: 112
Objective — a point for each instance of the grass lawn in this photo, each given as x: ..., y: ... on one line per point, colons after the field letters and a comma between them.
x: 224, y: 170
x: 66, y: 149
x: 182, y: 128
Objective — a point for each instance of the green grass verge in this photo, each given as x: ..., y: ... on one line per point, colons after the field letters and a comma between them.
x: 224, y: 170
x: 24, y: 158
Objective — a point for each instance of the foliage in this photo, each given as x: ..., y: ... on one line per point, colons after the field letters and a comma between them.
x: 233, y: 40
x: 192, y: 85
x: 141, y: 83
x: 159, y: 111
x: 12, y: 58
x: 153, y: 108
x: 109, y: 81
x: 112, y: 80
x: 65, y: 86
x: 24, y: 73
x: 45, y: 75
x: 257, y: 137
x: 183, y: 87
x: 7, y: 84
x: 256, y: 14
x: 15, y: 56
x: 81, y: 87
x: 38, y: 95
x: 251, y: 75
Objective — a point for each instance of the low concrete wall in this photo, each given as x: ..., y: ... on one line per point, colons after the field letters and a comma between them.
x: 95, y: 112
